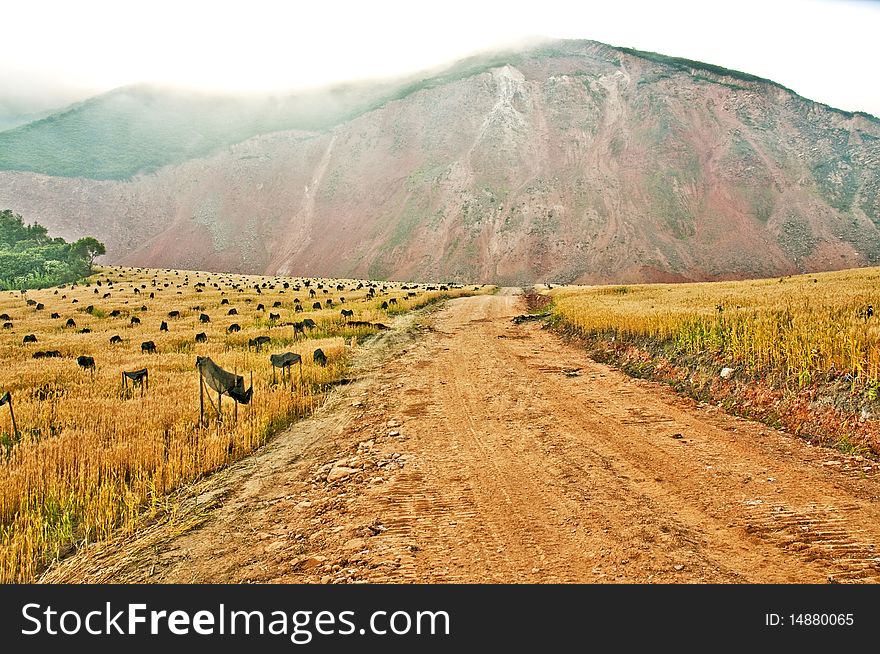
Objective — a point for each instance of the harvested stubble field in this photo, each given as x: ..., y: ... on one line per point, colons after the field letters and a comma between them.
x: 92, y: 458
x: 801, y: 352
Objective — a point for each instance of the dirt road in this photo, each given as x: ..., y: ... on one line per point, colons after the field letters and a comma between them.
x: 471, y: 449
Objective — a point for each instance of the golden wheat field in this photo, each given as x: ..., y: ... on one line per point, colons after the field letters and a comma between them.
x: 91, y: 456
x: 792, y: 328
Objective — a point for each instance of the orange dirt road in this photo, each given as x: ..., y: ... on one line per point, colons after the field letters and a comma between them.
x: 471, y: 449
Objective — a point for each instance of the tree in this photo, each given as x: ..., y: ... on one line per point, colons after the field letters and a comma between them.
x: 30, y: 258
x: 88, y: 249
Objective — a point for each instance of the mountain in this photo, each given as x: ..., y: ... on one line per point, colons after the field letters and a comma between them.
x: 571, y: 161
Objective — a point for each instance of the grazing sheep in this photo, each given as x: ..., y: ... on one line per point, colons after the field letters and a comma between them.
x: 70, y: 323
x: 347, y: 313
x: 204, y: 318
x: 232, y: 312
x: 174, y: 314
x: 163, y: 327
x: 201, y: 337
x: 30, y: 338
x: 274, y: 316
x: 260, y: 307
x: 234, y: 327
x: 114, y: 340
x: 148, y: 347
x: 316, y: 306
x: 319, y: 357
x: 298, y: 308
x: 135, y: 320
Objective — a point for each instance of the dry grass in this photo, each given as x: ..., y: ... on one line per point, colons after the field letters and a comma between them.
x: 795, y: 329
x: 90, y: 458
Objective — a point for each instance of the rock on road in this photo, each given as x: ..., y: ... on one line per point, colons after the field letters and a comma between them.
x: 471, y: 449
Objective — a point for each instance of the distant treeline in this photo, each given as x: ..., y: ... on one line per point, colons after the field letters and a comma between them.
x: 29, y: 258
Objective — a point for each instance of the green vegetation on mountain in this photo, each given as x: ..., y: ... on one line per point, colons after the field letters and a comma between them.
x: 30, y: 258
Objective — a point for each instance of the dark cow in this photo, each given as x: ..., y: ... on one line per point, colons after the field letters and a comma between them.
x: 163, y: 327
x: 201, y: 337
x: 47, y: 354
x: 234, y: 327
x: 148, y: 347
x: 319, y: 357
x: 30, y: 338
x: 204, y: 318
x: 114, y: 340
x: 308, y: 322
x: 86, y: 363
x: 258, y: 342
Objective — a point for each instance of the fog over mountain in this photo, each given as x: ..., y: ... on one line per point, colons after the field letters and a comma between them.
x: 567, y: 161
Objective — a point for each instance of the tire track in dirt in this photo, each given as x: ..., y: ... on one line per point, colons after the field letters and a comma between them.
x: 472, y: 449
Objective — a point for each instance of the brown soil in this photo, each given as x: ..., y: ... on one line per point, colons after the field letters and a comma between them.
x: 471, y: 449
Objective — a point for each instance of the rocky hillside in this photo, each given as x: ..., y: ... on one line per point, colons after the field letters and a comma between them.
x: 574, y: 161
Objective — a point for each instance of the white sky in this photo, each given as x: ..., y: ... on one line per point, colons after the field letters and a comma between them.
x: 826, y: 50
